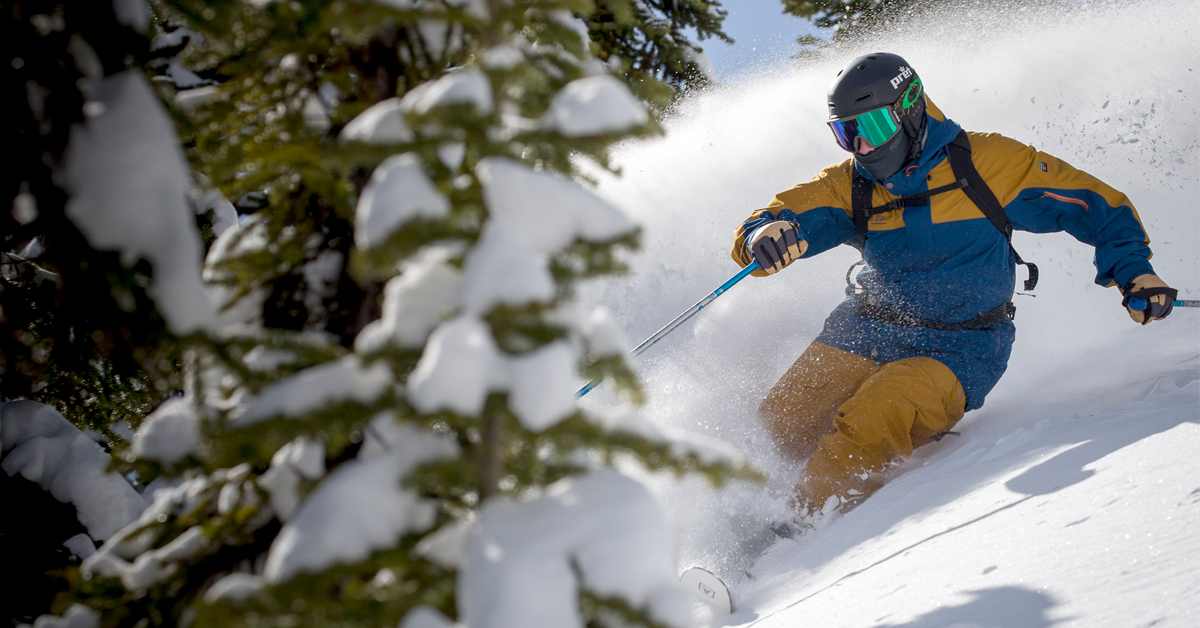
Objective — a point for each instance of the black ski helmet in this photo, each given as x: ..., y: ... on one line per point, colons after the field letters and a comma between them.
x: 876, y: 81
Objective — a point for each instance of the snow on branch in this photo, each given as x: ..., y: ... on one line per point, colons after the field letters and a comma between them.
x: 604, y: 334
x: 413, y: 303
x: 501, y: 270
x: 457, y: 369
x: 77, y: 616
x: 359, y: 509
x: 43, y: 447
x: 248, y: 237
x: 170, y: 433
x: 381, y: 123
x: 128, y: 186
x: 594, y: 105
x: 342, y: 380
x: 399, y: 191
x: 462, y: 364
x: 133, y: 13
x: 547, y: 212
x: 301, y: 459
x: 542, y: 386
x: 467, y: 87
x: 603, y: 533
x: 130, y: 554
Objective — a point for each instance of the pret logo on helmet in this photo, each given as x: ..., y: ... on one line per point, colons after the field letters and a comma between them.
x: 905, y: 72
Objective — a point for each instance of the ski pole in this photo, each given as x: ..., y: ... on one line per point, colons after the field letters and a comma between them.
x: 679, y: 320
x: 1140, y: 304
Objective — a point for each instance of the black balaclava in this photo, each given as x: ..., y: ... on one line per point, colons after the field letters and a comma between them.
x: 895, y: 153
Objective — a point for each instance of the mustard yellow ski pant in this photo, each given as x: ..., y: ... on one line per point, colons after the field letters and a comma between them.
x: 853, y: 418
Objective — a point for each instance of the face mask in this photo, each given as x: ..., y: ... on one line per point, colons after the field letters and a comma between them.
x: 889, y: 158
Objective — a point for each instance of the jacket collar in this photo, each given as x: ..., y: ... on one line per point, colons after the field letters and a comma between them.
x: 939, y: 131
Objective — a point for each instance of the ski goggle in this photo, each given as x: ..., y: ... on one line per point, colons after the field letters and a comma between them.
x: 878, y: 125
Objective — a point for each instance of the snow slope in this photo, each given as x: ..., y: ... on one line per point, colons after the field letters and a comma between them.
x: 1072, y: 497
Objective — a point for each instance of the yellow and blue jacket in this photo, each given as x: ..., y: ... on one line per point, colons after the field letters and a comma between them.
x: 945, y: 261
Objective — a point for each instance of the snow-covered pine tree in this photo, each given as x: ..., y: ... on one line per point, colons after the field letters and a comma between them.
x: 647, y: 39
x: 438, y: 465
x: 79, y: 326
x: 98, y: 279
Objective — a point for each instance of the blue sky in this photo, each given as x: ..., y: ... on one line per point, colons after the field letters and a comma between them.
x: 763, y: 36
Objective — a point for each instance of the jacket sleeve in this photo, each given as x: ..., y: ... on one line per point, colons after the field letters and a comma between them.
x: 820, y: 210
x: 1043, y: 194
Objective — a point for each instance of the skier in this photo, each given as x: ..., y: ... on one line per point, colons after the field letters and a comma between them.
x: 928, y: 331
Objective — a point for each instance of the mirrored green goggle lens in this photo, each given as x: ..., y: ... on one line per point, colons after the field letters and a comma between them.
x: 876, y: 127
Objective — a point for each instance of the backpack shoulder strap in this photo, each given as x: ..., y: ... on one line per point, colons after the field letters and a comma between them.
x: 861, y: 189
x: 977, y: 189
x: 959, y: 152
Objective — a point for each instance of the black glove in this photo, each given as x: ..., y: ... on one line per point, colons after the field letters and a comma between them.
x: 1148, y: 298
x: 776, y: 244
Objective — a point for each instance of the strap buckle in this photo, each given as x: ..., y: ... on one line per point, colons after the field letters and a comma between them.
x: 851, y: 287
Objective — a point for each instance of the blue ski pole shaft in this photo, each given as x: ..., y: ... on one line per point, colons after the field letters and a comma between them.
x: 679, y: 320
x: 1140, y: 304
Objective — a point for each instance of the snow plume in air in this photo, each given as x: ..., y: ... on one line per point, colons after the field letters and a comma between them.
x: 1108, y: 89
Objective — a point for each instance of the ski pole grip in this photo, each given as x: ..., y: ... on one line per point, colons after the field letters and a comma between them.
x: 1140, y: 304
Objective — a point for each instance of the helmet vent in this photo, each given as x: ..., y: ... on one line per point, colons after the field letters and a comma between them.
x: 864, y: 97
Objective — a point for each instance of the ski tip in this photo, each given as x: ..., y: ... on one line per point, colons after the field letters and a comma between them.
x: 706, y: 586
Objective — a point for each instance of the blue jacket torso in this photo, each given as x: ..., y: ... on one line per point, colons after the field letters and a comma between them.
x: 944, y: 260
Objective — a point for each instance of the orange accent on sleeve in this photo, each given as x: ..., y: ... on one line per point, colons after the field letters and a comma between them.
x: 1065, y: 199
